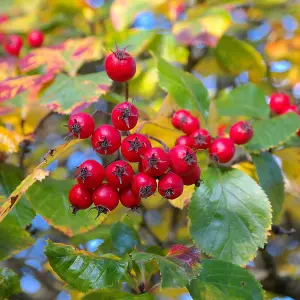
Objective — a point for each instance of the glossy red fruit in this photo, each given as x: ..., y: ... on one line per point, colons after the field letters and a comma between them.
x: 193, y: 178
x: 143, y: 186
x: 182, y: 160
x: 155, y: 162
x: 202, y: 139
x: 81, y: 126
x: 290, y: 108
x: 106, y: 139
x: 222, y: 150
x: 79, y: 198
x: 13, y: 45
x: 190, y: 125
x: 124, y: 116
x: 179, y: 117
x: 90, y: 174
x: 279, y: 102
x: 35, y: 38
x: 128, y: 199
x: 134, y: 146
x: 105, y: 198
x: 241, y: 132
x: 3, y: 18
x: 119, y: 174
x: 120, y: 66
x: 185, y: 140
x: 170, y: 186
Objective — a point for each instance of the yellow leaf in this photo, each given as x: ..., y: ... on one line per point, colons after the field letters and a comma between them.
x: 247, y: 168
x: 184, y: 199
x: 9, y: 140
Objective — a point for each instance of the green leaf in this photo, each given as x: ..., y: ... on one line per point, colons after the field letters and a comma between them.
x: 273, y: 132
x: 271, y: 180
x: 237, y: 56
x: 247, y: 100
x: 230, y: 215
x: 174, y: 272
x: 50, y: 199
x: 185, y: 89
x: 114, y: 294
x: 85, y: 271
x: 223, y: 280
x: 124, y: 238
x: 9, y: 283
x: 67, y: 93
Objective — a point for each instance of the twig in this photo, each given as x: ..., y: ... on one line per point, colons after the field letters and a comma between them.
x: 166, y: 148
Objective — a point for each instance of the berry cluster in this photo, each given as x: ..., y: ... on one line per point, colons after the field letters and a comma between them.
x: 220, y: 149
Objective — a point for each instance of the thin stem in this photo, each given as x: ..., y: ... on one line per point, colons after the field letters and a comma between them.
x: 126, y: 91
x: 166, y: 148
x: 101, y: 112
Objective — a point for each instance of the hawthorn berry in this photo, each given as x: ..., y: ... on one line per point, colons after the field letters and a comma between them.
x: 288, y: 109
x: 79, y: 198
x: 81, y: 125
x: 143, y: 185
x: 193, y: 178
x: 182, y: 160
x: 185, y: 140
x: 134, y: 146
x: 202, y: 139
x: 179, y: 117
x: 124, y: 116
x: 241, y: 132
x: 155, y: 162
x: 3, y: 18
x: 13, y: 45
x: 35, y: 38
x: 128, y: 199
x: 279, y: 102
x: 119, y: 174
x: 170, y: 186
x: 90, y: 174
x: 222, y: 150
x: 106, y: 139
x: 190, y: 124
x: 120, y: 66
x: 105, y: 198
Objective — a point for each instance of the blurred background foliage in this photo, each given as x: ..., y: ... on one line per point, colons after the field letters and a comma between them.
x: 222, y: 43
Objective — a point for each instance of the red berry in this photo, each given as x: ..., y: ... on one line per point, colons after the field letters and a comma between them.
x: 105, y: 198
x: 124, y: 116
x: 106, y: 139
x: 288, y: 109
x: 13, y: 45
x: 155, y: 162
x: 241, y: 132
x: 79, y: 198
x: 193, y: 178
x: 128, y: 199
x: 185, y: 140
x: 222, y: 150
x: 179, y: 117
x: 279, y: 102
x: 143, y: 186
x: 81, y: 125
x: 90, y: 174
x: 3, y: 18
x: 35, y: 38
x: 298, y: 132
x: 120, y: 66
x: 190, y: 124
x: 134, y: 146
x: 182, y: 160
x: 170, y: 186
x: 119, y: 174
x: 202, y: 139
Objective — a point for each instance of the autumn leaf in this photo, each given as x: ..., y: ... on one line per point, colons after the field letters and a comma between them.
x: 9, y: 140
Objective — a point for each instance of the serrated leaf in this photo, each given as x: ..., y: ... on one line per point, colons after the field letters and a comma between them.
x: 223, y: 280
x: 69, y: 94
x: 175, y: 272
x: 238, y: 56
x: 114, y: 294
x: 85, y: 271
x: 246, y: 100
x: 230, y: 215
x: 271, y: 180
x: 184, y: 88
x: 273, y: 132
x: 9, y: 283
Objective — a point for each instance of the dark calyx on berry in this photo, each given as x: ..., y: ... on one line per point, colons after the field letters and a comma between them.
x: 119, y: 172
x: 103, y: 145
x: 190, y: 158
x: 100, y: 210
x: 125, y: 114
x: 120, y: 54
x: 82, y: 173
x: 74, y: 129
x: 135, y: 145
x: 145, y: 191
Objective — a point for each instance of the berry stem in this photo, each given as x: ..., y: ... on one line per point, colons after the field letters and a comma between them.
x: 166, y: 148
x: 126, y: 91
x: 101, y: 111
